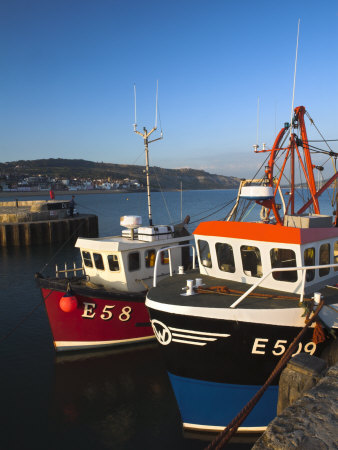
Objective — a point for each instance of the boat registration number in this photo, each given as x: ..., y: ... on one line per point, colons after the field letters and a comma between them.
x: 107, y: 312
x: 280, y: 346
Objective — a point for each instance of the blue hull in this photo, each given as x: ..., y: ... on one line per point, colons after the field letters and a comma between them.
x: 208, y: 405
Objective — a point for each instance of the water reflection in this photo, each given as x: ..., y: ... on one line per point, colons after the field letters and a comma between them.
x: 119, y: 398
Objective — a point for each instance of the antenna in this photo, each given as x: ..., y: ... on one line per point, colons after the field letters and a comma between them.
x: 156, y: 105
x: 294, y: 80
x: 135, y: 122
x: 145, y: 136
x: 256, y: 146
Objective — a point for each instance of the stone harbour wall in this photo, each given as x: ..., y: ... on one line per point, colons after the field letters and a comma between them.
x: 33, y: 210
x: 48, y: 231
x: 311, y: 422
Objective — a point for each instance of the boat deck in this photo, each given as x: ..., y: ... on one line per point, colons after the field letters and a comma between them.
x: 170, y: 290
x: 81, y: 286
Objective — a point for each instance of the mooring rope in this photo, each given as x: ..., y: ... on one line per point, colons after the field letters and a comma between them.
x: 223, y: 438
x: 224, y: 290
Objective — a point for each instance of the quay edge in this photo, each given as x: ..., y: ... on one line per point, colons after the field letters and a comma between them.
x: 48, y: 231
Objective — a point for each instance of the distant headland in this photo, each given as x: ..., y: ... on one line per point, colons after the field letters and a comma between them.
x: 64, y: 175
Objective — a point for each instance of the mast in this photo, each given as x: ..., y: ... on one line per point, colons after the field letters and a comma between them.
x: 145, y: 136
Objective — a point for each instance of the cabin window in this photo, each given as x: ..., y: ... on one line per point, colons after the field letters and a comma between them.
x: 251, y: 261
x: 283, y: 257
x: 225, y: 257
x: 165, y: 257
x: 98, y: 261
x: 324, y: 258
x: 133, y: 261
x: 309, y: 260
x: 113, y: 262
x: 150, y: 256
x: 87, y: 259
x: 335, y: 255
x: 204, y: 251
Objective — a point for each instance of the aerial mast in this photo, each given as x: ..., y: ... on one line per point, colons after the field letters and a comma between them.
x: 145, y: 136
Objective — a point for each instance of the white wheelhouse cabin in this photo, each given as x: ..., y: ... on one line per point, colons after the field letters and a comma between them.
x: 245, y: 252
x: 128, y: 264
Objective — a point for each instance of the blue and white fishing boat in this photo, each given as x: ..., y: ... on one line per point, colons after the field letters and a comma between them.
x: 224, y: 327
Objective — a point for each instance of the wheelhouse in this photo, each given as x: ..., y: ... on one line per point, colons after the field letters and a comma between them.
x: 124, y: 264
x: 245, y: 252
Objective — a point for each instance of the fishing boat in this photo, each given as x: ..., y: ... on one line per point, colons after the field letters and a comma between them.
x: 223, y: 327
x: 102, y: 302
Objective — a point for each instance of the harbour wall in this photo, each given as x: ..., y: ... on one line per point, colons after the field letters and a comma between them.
x: 307, y: 407
x: 47, y: 231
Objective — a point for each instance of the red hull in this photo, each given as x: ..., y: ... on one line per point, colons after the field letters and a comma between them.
x: 96, y: 322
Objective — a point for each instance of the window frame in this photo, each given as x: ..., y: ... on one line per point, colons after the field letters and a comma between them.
x: 117, y: 260
x: 253, y: 252
x: 165, y: 257
x: 311, y: 273
x: 335, y: 256
x: 209, y: 259
x: 282, y: 275
x: 325, y: 271
x: 139, y: 261
x: 229, y: 263
x: 147, y: 258
x: 100, y: 255
x: 86, y: 259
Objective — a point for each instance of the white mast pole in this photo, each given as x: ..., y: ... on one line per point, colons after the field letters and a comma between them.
x: 294, y: 80
x: 135, y: 122
x: 257, y: 121
x: 156, y: 105
x: 145, y: 136
x: 181, y: 203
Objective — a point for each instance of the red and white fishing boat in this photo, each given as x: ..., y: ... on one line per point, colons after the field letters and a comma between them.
x: 102, y: 303
x: 223, y: 329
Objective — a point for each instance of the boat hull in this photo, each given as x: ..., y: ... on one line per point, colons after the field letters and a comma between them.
x: 97, y: 321
x: 205, y: 405
x: 216, y: 366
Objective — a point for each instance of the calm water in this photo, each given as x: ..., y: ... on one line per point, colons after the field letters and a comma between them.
x: 112, y: 399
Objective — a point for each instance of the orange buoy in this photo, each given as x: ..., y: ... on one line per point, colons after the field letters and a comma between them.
x: 68, y: 302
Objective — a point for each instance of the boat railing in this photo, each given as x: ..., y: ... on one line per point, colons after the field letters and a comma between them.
x: 283, y: 269
x: 67, y: 270
x: 169, y: 249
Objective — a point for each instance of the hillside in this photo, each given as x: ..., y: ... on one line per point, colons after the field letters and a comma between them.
x: 77, y: 168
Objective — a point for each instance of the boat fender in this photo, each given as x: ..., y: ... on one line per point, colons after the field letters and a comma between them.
x: 68, y: 302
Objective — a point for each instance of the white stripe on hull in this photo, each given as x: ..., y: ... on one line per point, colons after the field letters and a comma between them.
x: 279, y: 317
x: 80, y: 345
x: 192, y: 426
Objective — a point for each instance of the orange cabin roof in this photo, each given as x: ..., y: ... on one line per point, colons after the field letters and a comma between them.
x: 264, y: 232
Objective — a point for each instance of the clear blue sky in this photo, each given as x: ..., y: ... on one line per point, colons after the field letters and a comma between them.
x: 68, y: 69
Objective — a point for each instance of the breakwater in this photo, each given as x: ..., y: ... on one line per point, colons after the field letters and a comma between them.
x: 25, y: 223
x: 308, y: 405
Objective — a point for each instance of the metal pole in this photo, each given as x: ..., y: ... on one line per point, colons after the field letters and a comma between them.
x: 147, y: 175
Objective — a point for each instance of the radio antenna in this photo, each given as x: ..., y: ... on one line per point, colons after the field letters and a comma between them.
x: 257, y: 120
x: 145, y: 135
x: 135, y: 122
x: 156, y: 105
x: 256, y: 146
x: 294, y: 81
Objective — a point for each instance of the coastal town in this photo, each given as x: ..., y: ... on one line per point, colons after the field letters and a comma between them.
x: 82, y: 175
x: 12, y: 183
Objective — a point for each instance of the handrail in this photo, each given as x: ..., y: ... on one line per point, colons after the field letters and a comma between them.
x: 282, y: 269
x: 170, y: 265
x: 66, y: 270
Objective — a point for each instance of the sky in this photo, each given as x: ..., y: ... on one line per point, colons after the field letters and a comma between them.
x: 225, y: 71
